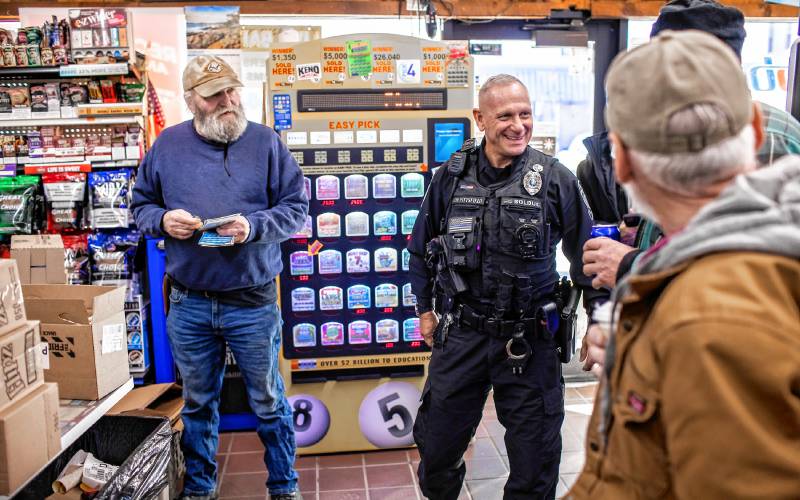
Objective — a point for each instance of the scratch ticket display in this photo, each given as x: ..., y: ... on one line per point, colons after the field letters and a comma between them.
x: 386, y: 295
x: 358, y: 297
x: 385, y: 260
x: 109, y: 199
x: 359, y: 332
x: 387, y: 330
x: 358, y: 260
x: 407, y: 220
x: 301, y: 263
x: 405, y: 258
x: 384, y: 223
x: 329, y: 225
x: 332, y: 333
x: 304, y: 335
x: 303, y: 299
x: 411, y: 330
x: 356, y: 224
x: 307, y: 185
x: 331, y: 298
x: 384, y: 186
x: 307, y: 231
x: 356, y: 187
x: 328, y: 187
x: 330, y: 262
x: 412, y: 185
x: 409, y: 299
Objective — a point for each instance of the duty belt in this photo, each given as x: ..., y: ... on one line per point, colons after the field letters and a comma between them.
x: 500, y: 328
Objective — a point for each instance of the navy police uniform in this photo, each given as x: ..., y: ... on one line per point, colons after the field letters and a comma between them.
x: 483, y: 251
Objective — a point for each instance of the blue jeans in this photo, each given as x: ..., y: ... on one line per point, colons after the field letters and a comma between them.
x: 198, y: 328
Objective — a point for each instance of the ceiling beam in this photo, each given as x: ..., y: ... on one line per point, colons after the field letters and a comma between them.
x: 463, y: 9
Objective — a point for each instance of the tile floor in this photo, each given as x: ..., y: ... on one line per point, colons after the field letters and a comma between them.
x: 391, y: 475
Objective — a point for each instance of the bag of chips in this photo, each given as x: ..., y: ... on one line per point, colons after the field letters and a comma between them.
x: 76, y: 258
x: 109, y: 198
x: 18, y: 204
x: 112, y: 255
x: 64, y: 195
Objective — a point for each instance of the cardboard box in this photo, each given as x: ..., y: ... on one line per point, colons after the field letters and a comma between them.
x: 12, y: 306
x: 85, y: 329
x: 40, y: 258
x: 22, y: 369
x: 29, y: 437
x: 160, y: 400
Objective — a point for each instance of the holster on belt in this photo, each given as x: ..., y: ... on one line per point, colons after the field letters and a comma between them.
x: 166, y: 288
x: 568, y: 295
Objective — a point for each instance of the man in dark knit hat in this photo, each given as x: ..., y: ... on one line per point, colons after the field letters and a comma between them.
x: 608, y: 260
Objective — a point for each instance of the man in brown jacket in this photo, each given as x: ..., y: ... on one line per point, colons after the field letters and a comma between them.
x: 700, y: 390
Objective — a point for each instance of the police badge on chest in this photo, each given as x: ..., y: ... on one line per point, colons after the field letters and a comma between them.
x: 532, y: 180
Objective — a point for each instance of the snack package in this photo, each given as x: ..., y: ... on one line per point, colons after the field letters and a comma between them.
x: 76, y: 258
x: 20, y: 95
x: 95, y: 96
x: 5, y: 99
x: 38, y: 98
x: 18, y: 201
x: 112, y: 255
x: 64, y: 194
x: 109, y: 201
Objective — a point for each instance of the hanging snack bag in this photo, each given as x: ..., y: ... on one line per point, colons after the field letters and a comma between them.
x: 17, y: 204
x: 112, y: 256
x: 76, y: 258
x: 109, y: 194
x: 64, y: 194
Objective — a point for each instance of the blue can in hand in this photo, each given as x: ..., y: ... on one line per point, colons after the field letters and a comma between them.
x: 607, y: 230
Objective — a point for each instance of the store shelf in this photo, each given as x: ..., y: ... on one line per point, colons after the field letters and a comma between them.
x: 110, y: 109
x: 68, y: 71
x: 90, y: 120
x: 34, y: 71
x: 77, y: 415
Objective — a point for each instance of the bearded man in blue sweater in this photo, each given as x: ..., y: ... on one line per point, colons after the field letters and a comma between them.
x: 215, y: 165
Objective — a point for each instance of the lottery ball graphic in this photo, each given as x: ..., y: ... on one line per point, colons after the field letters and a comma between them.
x: 386, y: 415
x: 311, y: 419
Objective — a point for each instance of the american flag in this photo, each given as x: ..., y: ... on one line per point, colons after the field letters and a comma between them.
x: 155, y: 115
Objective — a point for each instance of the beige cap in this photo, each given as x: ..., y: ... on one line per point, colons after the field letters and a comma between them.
x: 208, y: 75
x: 675, y: 70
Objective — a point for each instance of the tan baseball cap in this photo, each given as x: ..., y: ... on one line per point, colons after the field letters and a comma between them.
x: 675, y: 70
x: 208, y: 75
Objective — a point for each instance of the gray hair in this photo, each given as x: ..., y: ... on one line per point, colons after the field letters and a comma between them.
x: 500, y: 80
x: 691, y: 173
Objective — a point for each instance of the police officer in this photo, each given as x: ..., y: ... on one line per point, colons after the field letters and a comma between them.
x: 483, y: 254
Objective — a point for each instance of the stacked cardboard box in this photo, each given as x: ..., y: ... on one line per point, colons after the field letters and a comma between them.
x: 40, y: 258
x: 29, y: 434
x: 85, y: 329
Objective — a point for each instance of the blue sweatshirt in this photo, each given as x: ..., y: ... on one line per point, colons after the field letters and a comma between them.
x: 255, y: 176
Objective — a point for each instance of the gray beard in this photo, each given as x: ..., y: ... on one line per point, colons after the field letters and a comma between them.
x: 212, y: 128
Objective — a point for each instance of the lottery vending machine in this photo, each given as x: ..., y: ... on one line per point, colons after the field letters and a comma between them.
x: 368, y: 118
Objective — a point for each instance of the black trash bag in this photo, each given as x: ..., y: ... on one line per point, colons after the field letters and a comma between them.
x: 141, y: 446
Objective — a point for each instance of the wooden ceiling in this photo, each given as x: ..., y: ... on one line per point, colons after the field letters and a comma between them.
x: 464, y: 9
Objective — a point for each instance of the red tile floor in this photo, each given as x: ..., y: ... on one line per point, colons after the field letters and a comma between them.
x: 391, y: 475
